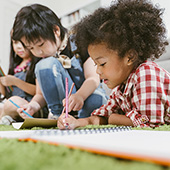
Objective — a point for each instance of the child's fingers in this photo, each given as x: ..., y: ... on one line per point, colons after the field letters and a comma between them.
x: 71, y: 105
x: 23, y: 115
x: 20, y: 111
x: 64, y: 102
x: 66, y: 124
x: 60, y: 123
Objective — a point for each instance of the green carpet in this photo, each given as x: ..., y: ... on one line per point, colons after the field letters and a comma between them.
x: 17, y: 155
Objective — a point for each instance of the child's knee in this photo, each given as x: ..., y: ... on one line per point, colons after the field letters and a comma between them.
x: 46, y: 66
x: 46, y: 63
x: 10, y: 109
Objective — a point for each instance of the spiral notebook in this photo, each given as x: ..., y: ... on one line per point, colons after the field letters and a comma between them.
x: 121, y: 142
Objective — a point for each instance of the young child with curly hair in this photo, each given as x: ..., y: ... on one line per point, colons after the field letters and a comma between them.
x: 121, y: 39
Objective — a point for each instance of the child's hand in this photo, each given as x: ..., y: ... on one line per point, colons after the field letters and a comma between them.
x: 67, y: 123
x: 8, y: 80
x: 76, y: 102
x: 28, y: 108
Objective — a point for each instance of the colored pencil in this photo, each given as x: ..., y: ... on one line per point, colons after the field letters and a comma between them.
x: 66, y: 84
x: 71, y: 89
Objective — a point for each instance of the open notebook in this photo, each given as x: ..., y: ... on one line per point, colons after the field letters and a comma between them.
x: 121, y: 142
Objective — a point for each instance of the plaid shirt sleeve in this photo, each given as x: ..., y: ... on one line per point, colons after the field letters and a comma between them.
x: 106, y: 110
x: 150, y: 96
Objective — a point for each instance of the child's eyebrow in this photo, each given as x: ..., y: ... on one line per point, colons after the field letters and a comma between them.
x: 28, y: 46
x: 34, y: 43
x: 98, y: 58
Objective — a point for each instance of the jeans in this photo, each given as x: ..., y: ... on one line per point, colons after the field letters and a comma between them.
x: 51, y: 78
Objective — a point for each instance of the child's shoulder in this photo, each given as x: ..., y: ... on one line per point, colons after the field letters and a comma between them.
x: 150, y: 69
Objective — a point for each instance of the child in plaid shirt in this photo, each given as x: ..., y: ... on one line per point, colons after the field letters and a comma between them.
x: 120, y: 40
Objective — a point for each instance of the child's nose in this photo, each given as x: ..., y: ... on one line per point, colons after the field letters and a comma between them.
x: 98, y: 71
x: 19, y: 45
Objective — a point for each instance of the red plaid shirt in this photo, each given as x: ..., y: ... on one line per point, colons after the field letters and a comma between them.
x: 145, y: 99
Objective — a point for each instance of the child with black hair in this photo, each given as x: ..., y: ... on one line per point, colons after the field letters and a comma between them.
x: 20, y: 76
x: 43, y: 34
x: 120, y: 40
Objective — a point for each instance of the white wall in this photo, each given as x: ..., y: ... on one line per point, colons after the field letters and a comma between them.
x: 166, y: 16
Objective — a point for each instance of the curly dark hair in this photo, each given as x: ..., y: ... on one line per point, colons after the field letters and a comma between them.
x: 126, y: 25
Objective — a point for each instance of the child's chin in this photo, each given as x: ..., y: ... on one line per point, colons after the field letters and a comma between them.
x: 109, y: 87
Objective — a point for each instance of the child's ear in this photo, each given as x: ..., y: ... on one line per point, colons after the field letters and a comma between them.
x: 57, y: 31
x: 131, y: 57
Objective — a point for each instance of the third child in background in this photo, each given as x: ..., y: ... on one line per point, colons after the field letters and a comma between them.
x: 21, y: 77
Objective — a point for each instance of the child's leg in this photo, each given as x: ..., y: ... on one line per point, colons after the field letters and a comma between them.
x: 51, y: 78
x: 94, y: 101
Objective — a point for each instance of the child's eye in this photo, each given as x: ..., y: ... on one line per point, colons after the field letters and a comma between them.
x: 29, y: 48
x: 41, y: 44
x: 14, y: 41
x: 102, y: 64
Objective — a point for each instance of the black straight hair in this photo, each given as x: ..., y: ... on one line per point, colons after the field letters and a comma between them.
x: 37, y: 21
x: 15, y: 60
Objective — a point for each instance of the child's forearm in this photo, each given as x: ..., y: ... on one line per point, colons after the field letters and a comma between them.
x: 26, y: 87
x: 2, y: 89
x: 116, y: 119
x: 92, y: 120
x: 88, y: 87
x: 39, y: 99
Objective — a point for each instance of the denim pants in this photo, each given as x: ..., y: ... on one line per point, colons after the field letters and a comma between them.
x: 51, y: 78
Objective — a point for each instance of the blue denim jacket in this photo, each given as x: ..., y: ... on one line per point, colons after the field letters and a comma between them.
x: 17, y: 91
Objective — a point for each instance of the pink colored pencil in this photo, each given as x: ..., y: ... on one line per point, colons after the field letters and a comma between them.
x: 68, y: 97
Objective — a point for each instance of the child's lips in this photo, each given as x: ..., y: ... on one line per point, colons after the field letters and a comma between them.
x: 20, y: 52
x: 105, y: 81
